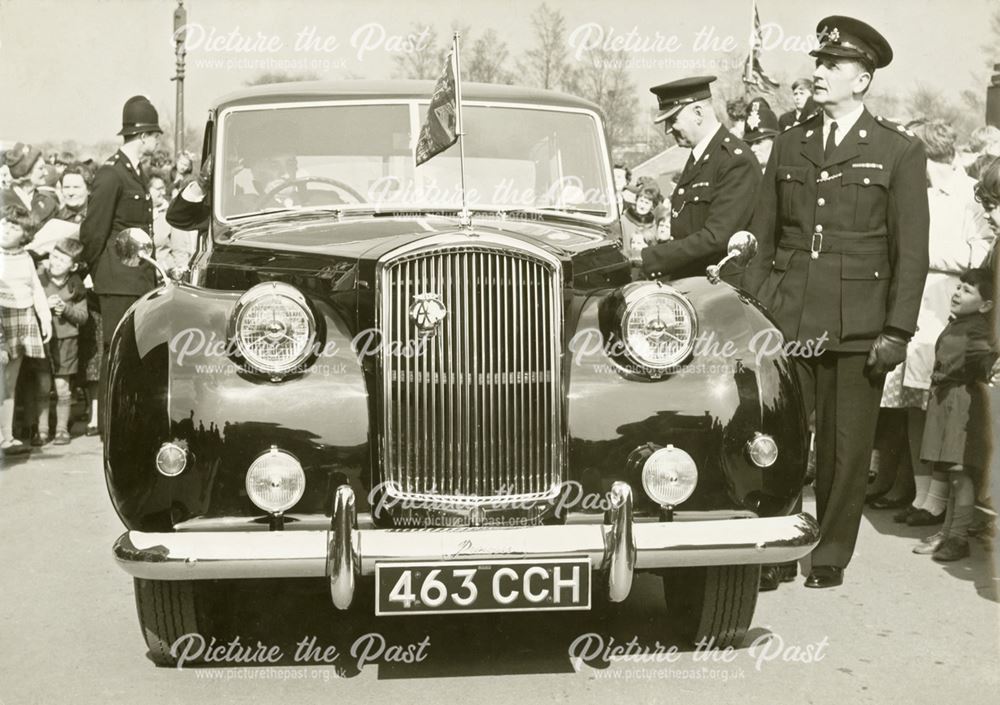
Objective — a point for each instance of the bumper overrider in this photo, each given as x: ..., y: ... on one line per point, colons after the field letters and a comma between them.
x: 343, y: 553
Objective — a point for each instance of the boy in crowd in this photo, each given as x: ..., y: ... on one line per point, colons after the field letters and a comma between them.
x: 67, y: 299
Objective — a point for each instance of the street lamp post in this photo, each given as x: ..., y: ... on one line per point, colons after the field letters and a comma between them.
x: 180, y: 37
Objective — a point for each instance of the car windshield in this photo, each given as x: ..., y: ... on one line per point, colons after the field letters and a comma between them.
x: 362, y: 156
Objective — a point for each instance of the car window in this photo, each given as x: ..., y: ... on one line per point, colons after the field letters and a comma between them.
x: 347, y: 156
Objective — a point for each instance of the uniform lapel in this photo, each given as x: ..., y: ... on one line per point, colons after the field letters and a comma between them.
x: 849, y: 146
x: 691, y: 174
x: 812, y: 143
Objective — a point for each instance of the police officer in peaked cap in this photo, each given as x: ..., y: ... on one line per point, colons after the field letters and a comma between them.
x: 842, y: 224
x: 119, y: 199
x: 714, y: 195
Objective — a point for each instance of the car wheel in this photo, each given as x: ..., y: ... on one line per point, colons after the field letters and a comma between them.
x: 169, y: 609
x: 714, y: 604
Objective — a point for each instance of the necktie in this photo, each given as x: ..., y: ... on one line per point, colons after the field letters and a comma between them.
x: 831, y: 142
x: 688, y: 165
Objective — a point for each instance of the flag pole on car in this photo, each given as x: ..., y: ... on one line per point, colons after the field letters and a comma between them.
x: 443, y: 126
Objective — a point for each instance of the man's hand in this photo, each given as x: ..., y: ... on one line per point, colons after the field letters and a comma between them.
x: 887, y: 351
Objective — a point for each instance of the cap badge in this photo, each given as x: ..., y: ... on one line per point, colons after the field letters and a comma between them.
x: 835, y: 35
x: 753, y: 119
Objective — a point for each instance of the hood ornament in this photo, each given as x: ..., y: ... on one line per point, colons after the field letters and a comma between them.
x: 427, y: 311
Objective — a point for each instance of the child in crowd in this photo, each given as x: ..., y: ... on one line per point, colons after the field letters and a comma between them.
x: 639, y: 227
x: 67, y: 298
x: 957, y: 432
x: 24, y: 314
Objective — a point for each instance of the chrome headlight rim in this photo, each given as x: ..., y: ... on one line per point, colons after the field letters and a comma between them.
x: 246, y: 302
x: 758, y: 446
x: 637, y: 293
x: 272, y: 452
x: 676, y: 457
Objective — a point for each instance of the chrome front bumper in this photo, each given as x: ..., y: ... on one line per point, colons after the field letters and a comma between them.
x: 345, y: 552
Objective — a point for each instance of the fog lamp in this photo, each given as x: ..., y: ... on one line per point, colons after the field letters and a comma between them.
x: 275, y: 481
x: 763, y: 450
x: 171, y: 459
x: 669, y: 476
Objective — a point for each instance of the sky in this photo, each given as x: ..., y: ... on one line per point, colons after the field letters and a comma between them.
x: 67, y: 66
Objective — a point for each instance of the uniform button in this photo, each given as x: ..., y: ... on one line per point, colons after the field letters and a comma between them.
x: 819, y: 228
x: 821, y: 202
x: 788, y: 176
x: 876, y: 275
x: 824, y: 174
x: 866, y: 181
x: 863, y: 133
x: 696, y: 198
x: 680, y: 192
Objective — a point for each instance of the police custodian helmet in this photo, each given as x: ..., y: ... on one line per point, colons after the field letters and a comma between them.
x: 139, y: 116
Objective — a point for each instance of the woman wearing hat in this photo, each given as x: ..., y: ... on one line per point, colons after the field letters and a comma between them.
x: 29, y: 187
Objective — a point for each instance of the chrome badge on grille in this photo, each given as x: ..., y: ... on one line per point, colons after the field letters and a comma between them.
x: 427, y: 311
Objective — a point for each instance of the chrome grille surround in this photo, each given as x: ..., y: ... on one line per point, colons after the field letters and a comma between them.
x: 474, y: 419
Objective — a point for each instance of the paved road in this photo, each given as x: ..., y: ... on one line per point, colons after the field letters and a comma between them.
x: 902, y: 629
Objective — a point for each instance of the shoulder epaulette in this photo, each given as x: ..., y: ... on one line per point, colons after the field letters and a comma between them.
x: 895, y: 127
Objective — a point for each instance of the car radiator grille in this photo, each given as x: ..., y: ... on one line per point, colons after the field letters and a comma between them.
x: 473, y: 413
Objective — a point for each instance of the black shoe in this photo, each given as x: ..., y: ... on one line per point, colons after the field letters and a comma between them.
x: 769, y: 578
x: 922, y: 517
x: 788, y: 571
x: 901, y: 516
x: 884, y: 502
x: 873, y: 495
x: 39, y: 439
x: 825, y: 576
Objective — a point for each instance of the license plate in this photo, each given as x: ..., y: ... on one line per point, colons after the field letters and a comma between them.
x: 475, y: 586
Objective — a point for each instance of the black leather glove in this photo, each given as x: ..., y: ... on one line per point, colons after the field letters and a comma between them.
x: 888, y: 350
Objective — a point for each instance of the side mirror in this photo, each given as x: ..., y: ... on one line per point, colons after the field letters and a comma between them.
x: 741, y: 249
x: 134, y: 245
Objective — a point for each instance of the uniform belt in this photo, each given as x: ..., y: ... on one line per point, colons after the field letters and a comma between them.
x: 837, y: 242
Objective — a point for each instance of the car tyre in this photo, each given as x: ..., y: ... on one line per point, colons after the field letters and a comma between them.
x: 169, y: 609
x: 714, y: 604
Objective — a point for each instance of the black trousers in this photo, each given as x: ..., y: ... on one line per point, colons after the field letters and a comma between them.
x: 113, y: 308
x: 846, y: 404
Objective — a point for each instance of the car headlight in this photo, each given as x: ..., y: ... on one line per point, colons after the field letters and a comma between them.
x: 669, y: 476
x: 763, y: 450
x: 171, y: 459
x: 659, y: 326
x: 273, y: 328
x: 275, y: 481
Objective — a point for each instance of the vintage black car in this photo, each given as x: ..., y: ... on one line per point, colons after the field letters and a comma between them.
x: 463, y: 412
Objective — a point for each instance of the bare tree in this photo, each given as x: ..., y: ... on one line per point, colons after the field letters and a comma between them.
x: 546, y: 65
x: 426, y: 58
x: 486, y: 60
x: 603, y: 78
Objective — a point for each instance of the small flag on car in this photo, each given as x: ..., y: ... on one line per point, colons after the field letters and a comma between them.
x: 440, y: 131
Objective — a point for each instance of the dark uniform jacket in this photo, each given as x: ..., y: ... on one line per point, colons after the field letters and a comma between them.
x: 793, y: 116
x: 713, y: 199
x: 44, y: 204
x: 842, y: 241
x: 118, y: 200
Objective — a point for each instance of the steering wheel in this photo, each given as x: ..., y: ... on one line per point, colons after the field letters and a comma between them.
x: 301, y: 181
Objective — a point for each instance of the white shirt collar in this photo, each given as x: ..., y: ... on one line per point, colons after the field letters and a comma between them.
x: 844, y: 123
x: 699, y: 149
